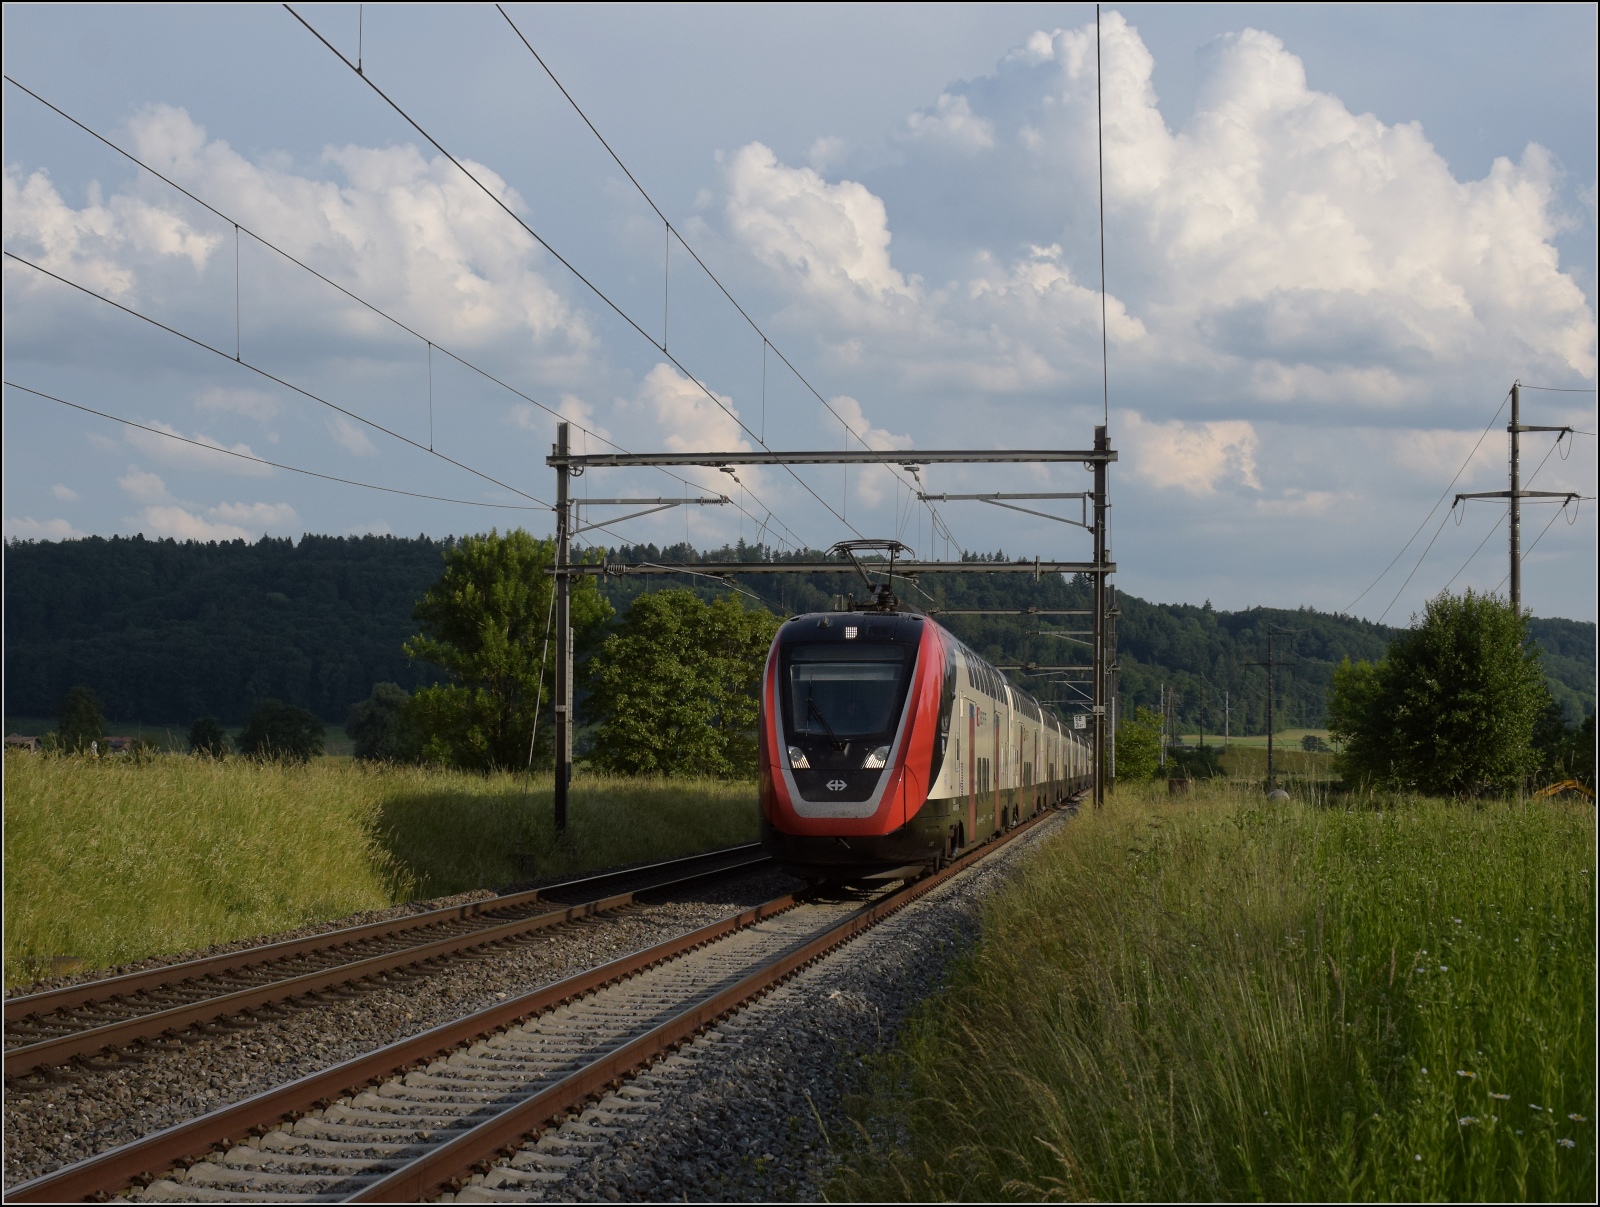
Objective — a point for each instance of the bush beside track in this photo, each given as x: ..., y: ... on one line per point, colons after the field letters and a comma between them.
x: 1225, y: 999
x: 111, y: 861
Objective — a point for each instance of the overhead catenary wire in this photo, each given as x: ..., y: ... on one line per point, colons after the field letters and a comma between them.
x: 674, y: 233
x: 293, y: 469
x: 432, y: 344
x: 562, y: 260
x: 288, y: 385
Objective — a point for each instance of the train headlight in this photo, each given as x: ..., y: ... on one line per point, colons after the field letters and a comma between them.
x: 877, y: 758
x: 797, y: 759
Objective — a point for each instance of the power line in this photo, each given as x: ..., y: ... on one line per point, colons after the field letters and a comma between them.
x: 1418, y: 566
x: 1496, y: 524
x: 293, y: 469
x: 1537, y: 539
x: 562, y: 260
x: 200, y: 343
x: 673, y: 232
x: 1561, y: 389
x: 240, y: 227
x: 1429, y: 516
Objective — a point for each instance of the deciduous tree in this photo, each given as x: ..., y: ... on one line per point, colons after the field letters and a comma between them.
x: 1138, y: 745
x: 487, y: 623
x: 381, y: 727
x: 282, y: 733
x: 674, y: 687
x: 207, y: 737
x: 81, y: 723
x: 1450, y: 709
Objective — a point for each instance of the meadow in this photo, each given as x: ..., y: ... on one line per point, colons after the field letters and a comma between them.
x: 111, y: 860
x: 1219, y: 998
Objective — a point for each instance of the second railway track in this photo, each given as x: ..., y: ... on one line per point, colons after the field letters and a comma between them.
x: 78, y: 1022
x: 415, y: 1117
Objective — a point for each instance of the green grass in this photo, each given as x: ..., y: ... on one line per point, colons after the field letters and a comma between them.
x: 1226, y: 999
x: 113, y: 860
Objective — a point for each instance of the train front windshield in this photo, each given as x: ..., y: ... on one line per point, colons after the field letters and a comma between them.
x: 839, y: 692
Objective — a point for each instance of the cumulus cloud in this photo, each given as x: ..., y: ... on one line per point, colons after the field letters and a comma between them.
x: 952, y: 123
x: 350, y: 437
x: 64, y: 492
x: 253, y: 404
x: 26, y: 528
x: 96, y: 244
x: 141, y: 485
x: 261, y: 516
x: 1194, y: 457
x: 832, y: 240
x: 689, y: 421
x: 187, y: 456
x: 227, y: 522
x: 406, y: 231
x: 1277, y: 247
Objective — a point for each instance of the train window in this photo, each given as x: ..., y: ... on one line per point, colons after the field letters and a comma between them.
x: 840, y: 692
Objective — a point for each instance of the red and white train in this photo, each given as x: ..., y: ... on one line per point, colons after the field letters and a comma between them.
x: 887, y: 744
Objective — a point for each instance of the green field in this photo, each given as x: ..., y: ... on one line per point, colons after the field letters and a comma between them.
x: 112, y: 860
x: 1225, y: 999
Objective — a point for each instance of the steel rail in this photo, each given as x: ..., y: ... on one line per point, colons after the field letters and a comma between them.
x: 57, y: 1050
x: 435, y: 1169
x: 185, y: 1143
x: 68, y: 996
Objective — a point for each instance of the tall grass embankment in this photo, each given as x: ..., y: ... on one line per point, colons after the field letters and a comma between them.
x: 112, y: 860
x: 1224, y: 999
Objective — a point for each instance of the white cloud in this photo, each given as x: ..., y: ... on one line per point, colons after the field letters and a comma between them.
x: 254, y: 404
x: 830, y: 239
x: 581, y: 414
x: 185, y: 526
x: 261, y: 516
x: 1195, y: 457
x: 141, y: 485
x: 187, y: 456
x: 351, y: 438
x: 228, y: 522
x: 689, y: 421
x: 952, y: 123
x: 1277, y: 248
x: 407, y: 232
x: 26, y: 528
x: 63, y: 492
x: 93, y: 245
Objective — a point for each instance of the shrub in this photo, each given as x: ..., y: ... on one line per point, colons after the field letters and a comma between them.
x: 382, y: 728
x: 207, y: 737
x: 281, y: 732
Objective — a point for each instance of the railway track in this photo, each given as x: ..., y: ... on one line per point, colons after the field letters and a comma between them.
x: 242, y: 988
x: 414, y: 1118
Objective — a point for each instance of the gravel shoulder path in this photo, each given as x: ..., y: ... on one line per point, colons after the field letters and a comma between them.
x: 91, y: 1110
x: 749, y: 1111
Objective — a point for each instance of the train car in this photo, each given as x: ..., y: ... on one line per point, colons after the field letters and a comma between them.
x: 888, y: 746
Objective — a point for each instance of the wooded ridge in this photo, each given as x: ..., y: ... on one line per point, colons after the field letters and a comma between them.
x: 166, y: 631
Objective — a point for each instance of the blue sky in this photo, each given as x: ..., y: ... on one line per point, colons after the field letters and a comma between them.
x: 1335, y: 235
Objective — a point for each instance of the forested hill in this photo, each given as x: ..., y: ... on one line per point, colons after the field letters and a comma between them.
x: 168, y: 631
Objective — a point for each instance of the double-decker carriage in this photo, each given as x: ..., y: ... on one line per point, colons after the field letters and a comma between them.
x: 888, y: 746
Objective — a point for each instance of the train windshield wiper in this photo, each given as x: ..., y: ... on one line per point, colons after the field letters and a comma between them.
x: 813, y: 711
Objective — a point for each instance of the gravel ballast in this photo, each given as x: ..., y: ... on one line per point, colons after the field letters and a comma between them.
x: 750, y: 1111
x: 91, y: 1110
